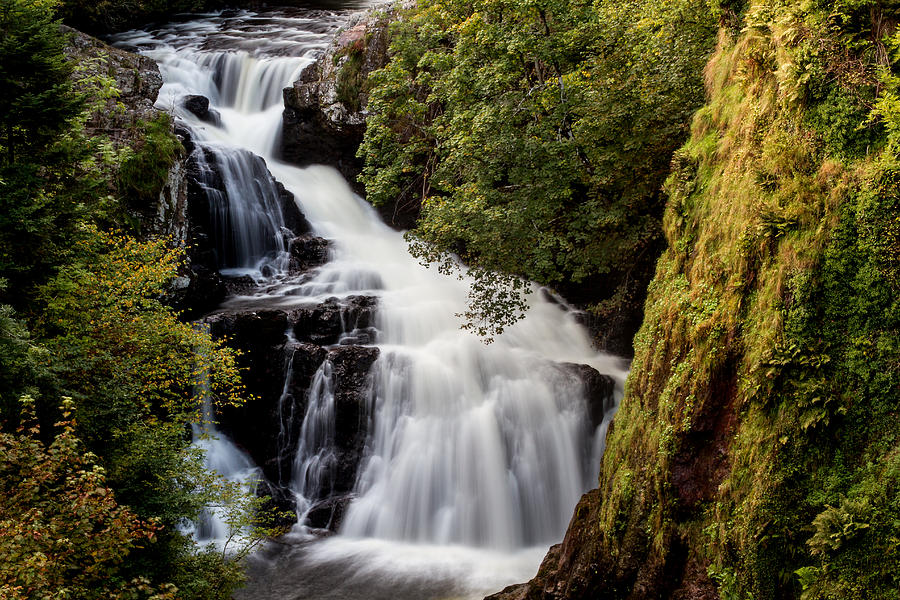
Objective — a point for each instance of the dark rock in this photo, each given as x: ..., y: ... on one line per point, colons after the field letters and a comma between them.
x: 279, y: 502
x: 324, y: 122
x: 199, y: 107
x: 197, y: 291
x: 242, y: 285
x: 294, y: 220
x: 326, y: 322
x: 329, y: 513
x: 307, y: 252
x: 352, y: 394
x: 599, y: 390
x: 277, y: 374
x: 260, y: 336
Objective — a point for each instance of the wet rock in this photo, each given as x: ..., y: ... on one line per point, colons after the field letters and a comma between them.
x: 324, y: 117
x: 352, y: 394
x: 307, y: 252
x: 277, y: 374
x: 279, y: 502
x: 326, y: 322
x: 260, y: 335
x: 294, y: 220
x: 243, y: 285
x: 199, y: 107
x: 599, y: 390
x: 329, y: 513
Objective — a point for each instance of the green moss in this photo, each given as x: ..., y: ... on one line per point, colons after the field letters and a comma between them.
x: 144, y: 171
x: 351, y: 80
x: 772, y: 327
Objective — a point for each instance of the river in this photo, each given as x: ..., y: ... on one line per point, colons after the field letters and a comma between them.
x: 475, y: 454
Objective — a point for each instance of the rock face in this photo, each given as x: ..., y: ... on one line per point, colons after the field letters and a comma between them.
x: 199, y: 106
x: 136, y: 78
x: 307, y: 252
x: 328, y: 322
x: 137, y: 82
x: 324, y: 116
x: 599, y: 389
x: 279, y: 371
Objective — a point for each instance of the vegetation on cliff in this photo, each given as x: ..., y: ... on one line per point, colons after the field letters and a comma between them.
x: 536, y: 137
x: 757, y: 451
x: 97, y: 375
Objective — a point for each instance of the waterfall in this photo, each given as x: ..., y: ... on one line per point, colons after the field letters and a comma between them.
x: 245, y: 210
x: 216, y: 524
x: 473, y: 453
x: 315, y: 459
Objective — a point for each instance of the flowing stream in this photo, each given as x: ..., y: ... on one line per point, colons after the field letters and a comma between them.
x: 475, y: 454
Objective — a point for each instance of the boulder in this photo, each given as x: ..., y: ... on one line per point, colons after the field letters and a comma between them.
x: 329, y: 513
x: 599, y: 389
x: 307, y: 252
x: 279, y: 502
x: 277, y: 373
x: 352, y: 395
x: 199, y: 107
x: 325, y: 115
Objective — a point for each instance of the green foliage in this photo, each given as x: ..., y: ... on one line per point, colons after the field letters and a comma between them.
x: 536, y: 137
x: 20, y: 363
x: 351, y: 81
x: 35, y: 86
x: 82, y: 317
x: 144, y: 170
x: 772, y: 325
x: 62, y: 532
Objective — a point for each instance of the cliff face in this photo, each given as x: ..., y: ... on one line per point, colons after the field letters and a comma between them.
x: 756, y: 453
x: 325, y: 110
x: 122, y: 88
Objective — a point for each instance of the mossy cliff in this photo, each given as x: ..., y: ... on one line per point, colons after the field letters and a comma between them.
x: 757, y: 451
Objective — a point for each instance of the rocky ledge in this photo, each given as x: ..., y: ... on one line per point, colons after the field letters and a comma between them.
x: 325, y: 109
x: 279, y: 370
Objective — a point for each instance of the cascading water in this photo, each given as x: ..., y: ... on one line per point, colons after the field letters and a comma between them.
x: 222, y: 457
x: 315, y: 459
x: 245, y: 210
x: 475, y: 455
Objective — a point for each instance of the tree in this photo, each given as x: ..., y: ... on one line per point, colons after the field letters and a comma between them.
x: 62, y: 533
x: 36, y: 99
x: 536, y: 138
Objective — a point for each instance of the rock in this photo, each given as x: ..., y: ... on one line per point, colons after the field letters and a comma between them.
x: 136, y: 77
x: 294, y: 220
x: 278, y: 374
x: 326, y: 322
x: 199, y: 107
x: 242, y: 285
x: 329, y: 513
x: 120, y: 118
x: 325, y: 116
x: 599, y: 390
x: 325, y: 109
x: 352, y: 394
x: 307, y: 252
x: 280, y: 501
x: 260, y: 336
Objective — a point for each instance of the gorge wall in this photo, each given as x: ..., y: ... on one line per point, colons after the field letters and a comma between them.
x: 755, y: 453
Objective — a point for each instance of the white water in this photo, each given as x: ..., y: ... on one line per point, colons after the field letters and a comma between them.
x: 476, y: 455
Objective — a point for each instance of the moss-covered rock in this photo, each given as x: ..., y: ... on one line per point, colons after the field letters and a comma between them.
x: 756, y: 453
